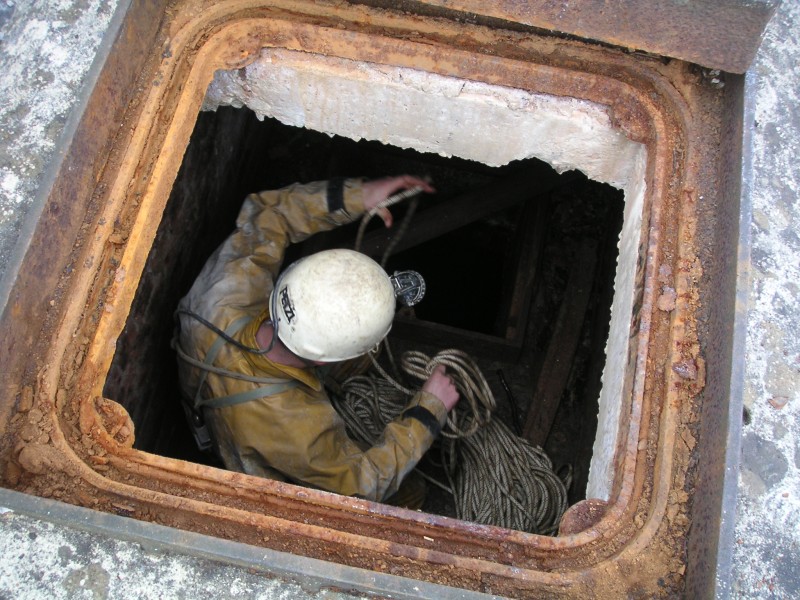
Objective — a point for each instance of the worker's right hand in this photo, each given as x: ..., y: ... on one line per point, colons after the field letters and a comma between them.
x: 441, y: 385
x: 378, y: 190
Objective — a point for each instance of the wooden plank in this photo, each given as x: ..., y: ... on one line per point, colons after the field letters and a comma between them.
x: 517, y: 299
x: 444, y: 336
x: 563, y: 343
x: 603, y: 298
x: 465, y: 209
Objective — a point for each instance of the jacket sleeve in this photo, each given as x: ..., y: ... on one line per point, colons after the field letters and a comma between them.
x: 240, y: 273
x: 300, y: 434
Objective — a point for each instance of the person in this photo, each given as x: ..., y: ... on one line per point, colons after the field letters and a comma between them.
x: 258, y: 390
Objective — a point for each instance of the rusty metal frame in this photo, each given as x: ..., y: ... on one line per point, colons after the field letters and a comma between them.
x: 63, y: 439
x: 717, y: 34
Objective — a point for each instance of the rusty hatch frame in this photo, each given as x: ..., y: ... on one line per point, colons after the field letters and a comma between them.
x: 71, y: 301
x: 718, y: 34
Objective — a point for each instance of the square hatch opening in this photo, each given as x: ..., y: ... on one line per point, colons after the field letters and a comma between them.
x: 479, y: 210
x: 501, y: 269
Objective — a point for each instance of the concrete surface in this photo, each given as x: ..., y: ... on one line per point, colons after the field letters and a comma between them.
x: 49, y: 560
x: 46, y: 52
x: 56, y: 551
x: 766, y: 547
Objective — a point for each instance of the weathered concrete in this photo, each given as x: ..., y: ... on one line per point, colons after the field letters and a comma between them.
x: 766, y: 547
x: 46, y: 62
x: 449, y: 116
x: 56, y: 551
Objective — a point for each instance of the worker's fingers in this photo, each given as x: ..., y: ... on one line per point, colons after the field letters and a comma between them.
x: 386, y: 216
x: 442, y: 386
x: 405, y: 182
x: 378, y: 190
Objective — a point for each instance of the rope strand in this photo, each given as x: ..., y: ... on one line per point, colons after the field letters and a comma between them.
x: 496, y: 477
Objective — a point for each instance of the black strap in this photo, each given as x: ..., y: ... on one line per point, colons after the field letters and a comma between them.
x: 424, y: 416
x: 335, y: 194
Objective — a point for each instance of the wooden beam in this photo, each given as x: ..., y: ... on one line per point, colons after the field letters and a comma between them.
x: 563, y: 344
x: 465, y: 209
x: 444, y: 336
x: 517, y: 295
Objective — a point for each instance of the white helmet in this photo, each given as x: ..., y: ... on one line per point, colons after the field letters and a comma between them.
x: 333, y: 305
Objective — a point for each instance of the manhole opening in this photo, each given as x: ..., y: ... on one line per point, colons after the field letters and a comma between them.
x: 498, y: 284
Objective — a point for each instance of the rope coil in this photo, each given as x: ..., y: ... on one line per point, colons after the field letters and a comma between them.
x: 495, y: 477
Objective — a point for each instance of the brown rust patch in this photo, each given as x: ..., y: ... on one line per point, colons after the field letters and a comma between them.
x: 106, y: 422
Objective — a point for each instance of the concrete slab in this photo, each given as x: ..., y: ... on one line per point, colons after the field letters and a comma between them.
x: 766, y: 546
x: 54, y: 550
x: 46, y: 58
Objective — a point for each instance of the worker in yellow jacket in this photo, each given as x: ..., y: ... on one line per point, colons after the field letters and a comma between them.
x: 250, y: 348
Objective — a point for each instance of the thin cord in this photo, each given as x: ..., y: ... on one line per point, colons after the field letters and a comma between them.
x: 223, y: 335
x: 390, y: 201
x: 218, y: 370
x: 401, y: 230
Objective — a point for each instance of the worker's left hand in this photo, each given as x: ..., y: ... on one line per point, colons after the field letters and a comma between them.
x: 378, y: 190
x: 441, y: 385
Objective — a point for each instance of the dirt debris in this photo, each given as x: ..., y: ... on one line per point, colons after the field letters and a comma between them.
x: 686, y: 369
x: 39, y: 458
x: 666, y: 301
x: 25, y: 399
x: 778, y: 402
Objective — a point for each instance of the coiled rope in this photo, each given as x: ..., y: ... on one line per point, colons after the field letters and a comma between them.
x: 495, y: 477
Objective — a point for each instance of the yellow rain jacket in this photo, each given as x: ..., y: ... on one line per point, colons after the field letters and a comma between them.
x: 293, y: 433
